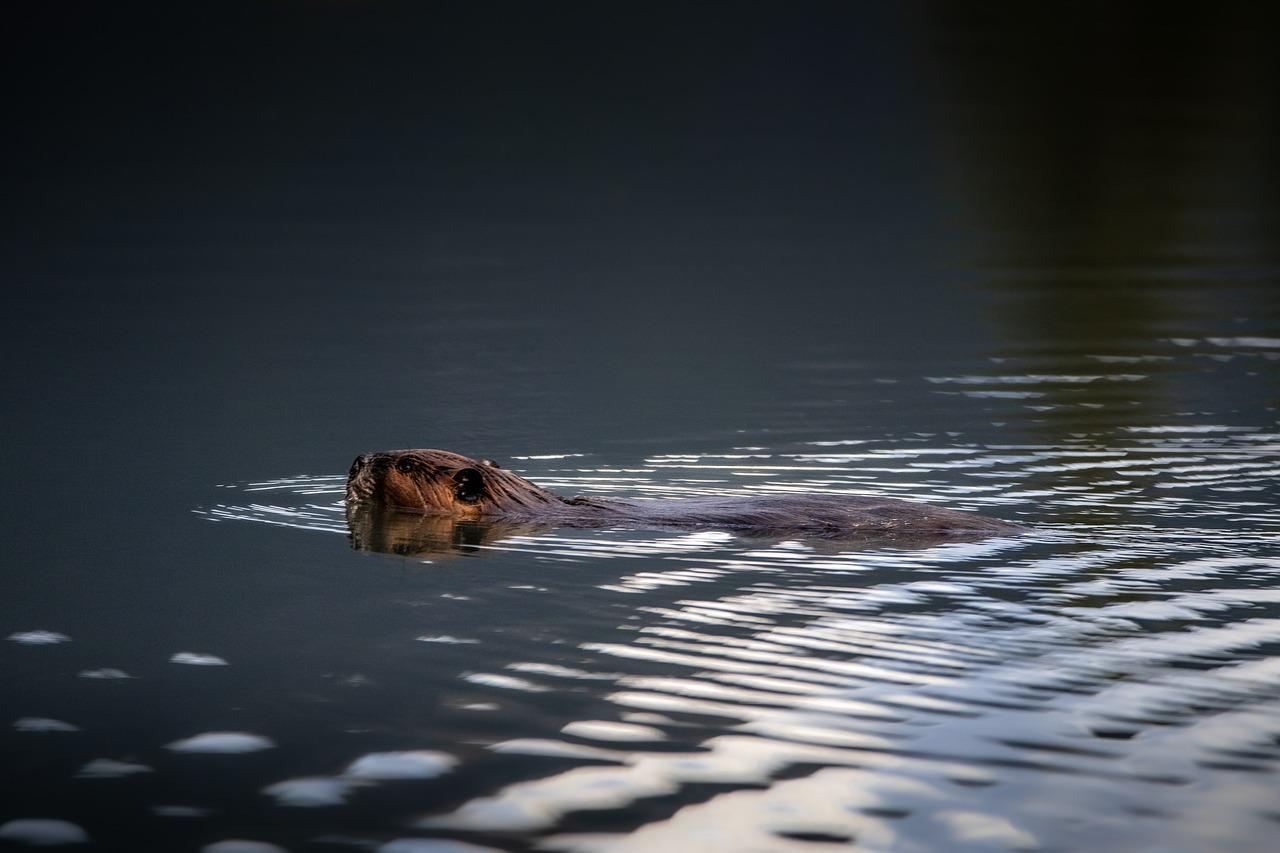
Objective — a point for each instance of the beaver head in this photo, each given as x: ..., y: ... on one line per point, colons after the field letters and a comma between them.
x: 442, y: 483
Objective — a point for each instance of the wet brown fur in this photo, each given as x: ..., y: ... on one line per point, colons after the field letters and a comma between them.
x: 436, y: 482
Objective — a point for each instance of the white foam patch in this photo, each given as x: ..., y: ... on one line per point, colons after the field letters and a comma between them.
x: 106, y: 768
x: 193, y: 659
x: 180, y: 811
x: 42, y: 724
x: 416, y: 764
x: 611, y: 731
x: 105, y: 674
x: 223, y: 742
x: 240, y: 845
x: 44, y: 833
x: 506, y: 682
x: 557, y: 748
x: 433, y: 845
x: 311, y: 792
x: 1252, y: 342
x: 39, y: 638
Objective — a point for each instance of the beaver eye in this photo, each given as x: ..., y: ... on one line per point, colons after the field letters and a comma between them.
x: 404, y: 466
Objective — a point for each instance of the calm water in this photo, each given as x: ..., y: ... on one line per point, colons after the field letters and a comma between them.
x: 998, y: 264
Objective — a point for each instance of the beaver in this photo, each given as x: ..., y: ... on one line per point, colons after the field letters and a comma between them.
x: 440, y: 483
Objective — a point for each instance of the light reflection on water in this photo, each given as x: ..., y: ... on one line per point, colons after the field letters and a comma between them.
x: 1108, y: 685
x: 748, y: 254
x: 930, y: 700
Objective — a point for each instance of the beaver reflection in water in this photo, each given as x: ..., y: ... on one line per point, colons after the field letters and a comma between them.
x: 436, y: 482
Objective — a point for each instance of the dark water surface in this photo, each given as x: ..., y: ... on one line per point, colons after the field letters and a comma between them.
x: 1024, y: 266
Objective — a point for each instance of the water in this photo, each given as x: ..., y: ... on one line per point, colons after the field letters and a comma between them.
x: 807, y: 251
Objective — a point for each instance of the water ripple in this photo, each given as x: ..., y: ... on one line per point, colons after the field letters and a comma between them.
x: 930, y: 705
x: 1108, y: 681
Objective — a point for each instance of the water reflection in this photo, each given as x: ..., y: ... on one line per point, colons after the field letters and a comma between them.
x: 1102, y: 682
x: 411, y: 534
x: 732, y: 279
x: 932, y: 705
x: 1112, y: 175
x: 318, y: 792
x: 43, y: 833
x: 1107, y: 161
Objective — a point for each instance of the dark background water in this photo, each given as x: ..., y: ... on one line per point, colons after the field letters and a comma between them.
x: 246, y: 241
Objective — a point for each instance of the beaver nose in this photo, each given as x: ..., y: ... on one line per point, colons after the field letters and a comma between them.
x: 358, y: 465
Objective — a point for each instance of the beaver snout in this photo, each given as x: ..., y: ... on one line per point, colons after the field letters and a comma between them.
x: 363, y: 478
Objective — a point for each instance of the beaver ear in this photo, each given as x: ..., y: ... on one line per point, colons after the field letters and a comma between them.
x: 468, y: 485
